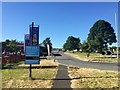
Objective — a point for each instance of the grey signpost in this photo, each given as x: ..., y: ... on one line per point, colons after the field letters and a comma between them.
x: 32, y: 52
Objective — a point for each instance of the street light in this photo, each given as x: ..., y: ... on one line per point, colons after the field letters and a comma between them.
x: 117, y: 35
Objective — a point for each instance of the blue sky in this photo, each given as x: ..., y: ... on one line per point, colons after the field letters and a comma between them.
x: 56, y: 20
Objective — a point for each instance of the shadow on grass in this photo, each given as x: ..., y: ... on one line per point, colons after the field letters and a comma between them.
x: 104, y: 57
x: 50, y: 78
x: 33, y: 78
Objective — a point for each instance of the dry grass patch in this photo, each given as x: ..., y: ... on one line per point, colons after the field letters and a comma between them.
x: 49, y: 63
x: 89, y: 72
x: 32, y: 84
x: 95, y: 83
x: 93, y: 78
x: 19, y: 78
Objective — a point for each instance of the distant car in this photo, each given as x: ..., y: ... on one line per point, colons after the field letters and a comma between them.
x: 106, y: 53
x: 103, y: 53
x: 63, y: 50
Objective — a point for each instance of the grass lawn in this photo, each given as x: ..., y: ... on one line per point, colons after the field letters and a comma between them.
x: 93, y: 78
x: 19, y: 78
x: 93, y: 57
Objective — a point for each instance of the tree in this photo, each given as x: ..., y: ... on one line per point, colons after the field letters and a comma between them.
x: 85, y: 48
x: 65, y: 46
x: 72, y: 43
x: 47, y: 41
x: 13, y: 45
x: 10, y: 46
x: 101, y: 34
x: 5, y: 45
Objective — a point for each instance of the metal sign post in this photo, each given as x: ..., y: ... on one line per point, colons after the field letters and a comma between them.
x: 30, y: 70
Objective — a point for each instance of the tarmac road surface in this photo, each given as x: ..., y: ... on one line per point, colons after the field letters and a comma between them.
x: 68, y: 60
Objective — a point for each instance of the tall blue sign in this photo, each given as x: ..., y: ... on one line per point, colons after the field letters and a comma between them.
x: 32, y: 50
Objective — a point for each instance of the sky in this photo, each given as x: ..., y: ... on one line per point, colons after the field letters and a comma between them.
x: 57, y: 20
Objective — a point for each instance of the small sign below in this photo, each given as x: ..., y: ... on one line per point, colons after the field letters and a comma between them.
x: 33, y: 61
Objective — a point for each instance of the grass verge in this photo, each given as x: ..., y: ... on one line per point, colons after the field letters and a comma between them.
x: 93, y: 57
x: 93, y: 78
x: 19, y: 78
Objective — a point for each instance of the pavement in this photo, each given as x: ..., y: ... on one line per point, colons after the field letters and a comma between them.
x: 62, y: 79
x: 71, y: 61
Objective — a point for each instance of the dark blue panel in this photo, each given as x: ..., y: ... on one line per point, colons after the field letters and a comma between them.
x: 34, y: 35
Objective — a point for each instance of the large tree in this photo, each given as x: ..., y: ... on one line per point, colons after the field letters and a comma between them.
x: 84, y: 46
x: 72, y: 43
x: 101, y: 34
x: 47, y: 41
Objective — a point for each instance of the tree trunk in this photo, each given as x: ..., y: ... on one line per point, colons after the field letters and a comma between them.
x: 88, y: 54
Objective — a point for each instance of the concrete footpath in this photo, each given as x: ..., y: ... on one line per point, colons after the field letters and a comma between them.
x: 62, y: 79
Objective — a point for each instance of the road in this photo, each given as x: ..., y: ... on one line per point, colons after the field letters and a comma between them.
x: 68, y: 60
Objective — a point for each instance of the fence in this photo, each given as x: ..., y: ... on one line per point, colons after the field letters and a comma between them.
x: 12, y: 59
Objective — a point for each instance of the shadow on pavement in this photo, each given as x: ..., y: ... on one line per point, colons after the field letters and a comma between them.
x: 56, y: 54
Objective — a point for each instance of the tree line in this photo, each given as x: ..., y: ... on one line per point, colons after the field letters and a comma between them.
x: 10, y: 46
x: 101, y: 34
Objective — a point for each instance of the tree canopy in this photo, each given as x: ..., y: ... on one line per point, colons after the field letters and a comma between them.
x: 10, y: 45
x: 72, y: 43
x: 101, y: 34
x: 84, y: 46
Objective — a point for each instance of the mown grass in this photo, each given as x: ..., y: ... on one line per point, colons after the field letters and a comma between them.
x: 93, y: 57
x: 93, y: 78
x: 12, y: 65
x: 15, y: 78
x: 19, y: 78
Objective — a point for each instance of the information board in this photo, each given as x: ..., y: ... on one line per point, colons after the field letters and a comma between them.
x: 32, y: 51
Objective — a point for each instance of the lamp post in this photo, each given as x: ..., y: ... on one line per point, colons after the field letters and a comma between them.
x: 117, y: 34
